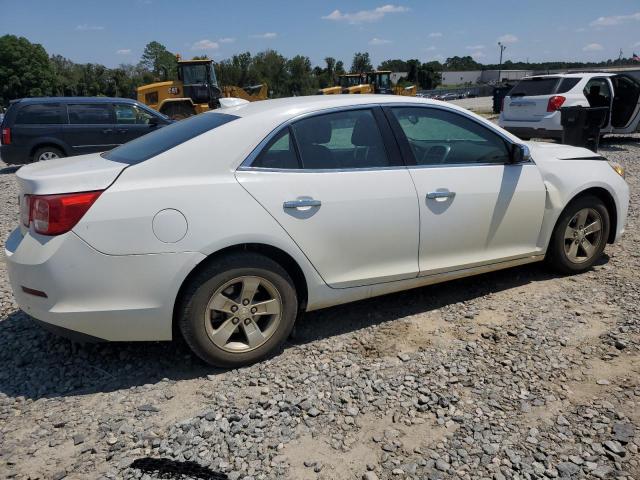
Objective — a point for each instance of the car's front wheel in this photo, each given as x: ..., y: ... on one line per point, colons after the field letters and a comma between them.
x: 580, y: 235
x: 238, y: 310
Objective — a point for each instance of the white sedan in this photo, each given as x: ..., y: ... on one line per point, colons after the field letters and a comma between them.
x: 227, y: 226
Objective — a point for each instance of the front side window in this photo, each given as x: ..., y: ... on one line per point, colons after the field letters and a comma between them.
x: 90, y: 114
x: 194, y: 74
x: 349, y: 139
x: 129, y: 114
x: 43, y: 114
x: 440, y: 137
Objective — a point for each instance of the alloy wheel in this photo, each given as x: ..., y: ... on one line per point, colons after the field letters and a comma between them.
x: 47, y: 156
x: 583, y: 235
x: 243, y: 314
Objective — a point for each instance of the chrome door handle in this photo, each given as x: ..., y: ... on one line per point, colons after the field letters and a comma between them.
x: 436, y: 195
x: 305, y: 202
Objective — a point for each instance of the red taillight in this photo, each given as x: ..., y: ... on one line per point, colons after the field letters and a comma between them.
x: 57, y: 214
x: 555, y: 103
x: 6, y: 136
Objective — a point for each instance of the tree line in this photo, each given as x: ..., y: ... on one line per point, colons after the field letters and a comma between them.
x: 27, y: 70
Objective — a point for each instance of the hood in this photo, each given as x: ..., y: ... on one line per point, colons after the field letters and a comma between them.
x: 83, y: 173
x: 558, y: 151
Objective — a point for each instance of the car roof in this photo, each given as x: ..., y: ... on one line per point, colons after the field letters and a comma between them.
x: 32, y: 100
x: 573, y: 75
x: 294, y: 106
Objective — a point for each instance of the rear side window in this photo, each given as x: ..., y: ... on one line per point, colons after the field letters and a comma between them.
x: 280, y: 153
x: 90, y: 114
x: 531, y: 87
x: 43, y: 114
x: 567, y: 84
x: 165, y: 138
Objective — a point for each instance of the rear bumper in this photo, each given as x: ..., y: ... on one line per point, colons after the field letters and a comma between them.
x: 14, y: 155
x: 548, y: 126
x: 109, y: 297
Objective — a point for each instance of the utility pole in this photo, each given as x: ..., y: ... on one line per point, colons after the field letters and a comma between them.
x: 502, y: 49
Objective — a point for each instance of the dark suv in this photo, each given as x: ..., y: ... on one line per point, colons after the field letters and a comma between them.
x: 36, y: 129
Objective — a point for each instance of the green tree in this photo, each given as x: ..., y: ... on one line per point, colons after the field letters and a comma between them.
x: 301, y: 79
x: 159, y: 60
x: 361, y: 63
x: 271, y: 67
x: 340, y: 68
x: 462, y: 63
x: 25, y: 70
x: 395, y: 65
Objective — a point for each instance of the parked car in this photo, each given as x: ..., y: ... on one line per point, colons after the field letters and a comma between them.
x: 532, y: 107
x: 36, y: 129
x: 448, y: 96
x: 228, y: 225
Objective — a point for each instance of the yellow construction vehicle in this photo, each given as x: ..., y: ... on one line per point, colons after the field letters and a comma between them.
x: 195, y: 91
x: 349, y: 83
x: 378, y: 81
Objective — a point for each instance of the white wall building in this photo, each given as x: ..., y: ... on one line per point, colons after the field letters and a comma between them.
x: 483, y: 76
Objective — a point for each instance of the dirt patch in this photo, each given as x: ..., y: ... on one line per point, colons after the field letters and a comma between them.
x: 366, y: 446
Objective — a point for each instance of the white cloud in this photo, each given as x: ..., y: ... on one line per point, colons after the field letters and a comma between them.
x: 379, y: 41
x: 615, y: 20
x: 363, y: 16
x: 226, y: 40
x: 508, y: 38
x: 478, y: 54
x: 265, y: 36
x: 205, y: 45
x: 593, y: 47
x: 475, y: 47
x: 124, y: 51
x: 85, y: 27
x: 435, y: 35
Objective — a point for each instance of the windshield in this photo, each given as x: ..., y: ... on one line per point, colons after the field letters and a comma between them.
x: 165, y: 138
x: 350, y: 81
x: 384, y: 80
x: 530, y: 87
x: 195, y: 74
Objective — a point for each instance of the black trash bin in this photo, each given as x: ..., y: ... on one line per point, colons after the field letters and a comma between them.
x: 581, y: 125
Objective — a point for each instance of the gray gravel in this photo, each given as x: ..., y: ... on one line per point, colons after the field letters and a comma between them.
x: 519, y: 374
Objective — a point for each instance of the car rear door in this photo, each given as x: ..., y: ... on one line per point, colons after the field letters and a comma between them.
x: 625, y: 110
x: 91, y: 128
x: 476, y: 208
x: 336, y: 184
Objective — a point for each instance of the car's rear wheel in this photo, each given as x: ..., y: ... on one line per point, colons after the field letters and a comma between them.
x: 238, y: 310
x: 47, y: 153
x: 580, y: 235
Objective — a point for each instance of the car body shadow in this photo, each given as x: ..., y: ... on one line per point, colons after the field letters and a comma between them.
x: 36, y: 364
x: 9, y: 169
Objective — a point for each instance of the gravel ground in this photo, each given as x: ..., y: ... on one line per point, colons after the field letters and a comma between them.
x: 519, y: 374
x: 477, y: 104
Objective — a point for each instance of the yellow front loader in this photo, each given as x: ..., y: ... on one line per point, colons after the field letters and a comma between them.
x: 195, y: 91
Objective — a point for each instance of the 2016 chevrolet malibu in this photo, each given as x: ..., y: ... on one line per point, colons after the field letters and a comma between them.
x: 226, y: 226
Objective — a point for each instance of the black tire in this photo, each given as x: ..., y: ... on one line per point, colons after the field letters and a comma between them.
x: 195, y: 300
x: 51, y: 152
x: 557, y: 256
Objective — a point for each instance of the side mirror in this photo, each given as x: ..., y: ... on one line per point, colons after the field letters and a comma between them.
x: 520, y: 153
x: 153, y: 122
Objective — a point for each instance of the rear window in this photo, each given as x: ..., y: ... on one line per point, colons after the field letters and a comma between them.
x: 90, y: 114
x: 567, y: 84
x: 535, y: 86
x: 165, y: 138
x: 42, y: 114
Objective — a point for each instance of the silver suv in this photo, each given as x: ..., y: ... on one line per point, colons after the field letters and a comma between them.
x: 532, y: 107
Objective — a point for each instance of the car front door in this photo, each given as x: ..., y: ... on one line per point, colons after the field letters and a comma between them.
x: 336, y: 183
x: 476, y: 207
x: 91, y: 128
x: 133, y: 122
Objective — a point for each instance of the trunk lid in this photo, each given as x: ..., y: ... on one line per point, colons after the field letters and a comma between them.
x: 83, y: 173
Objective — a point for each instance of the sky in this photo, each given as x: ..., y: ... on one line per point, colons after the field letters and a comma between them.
x: 115, y: 31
